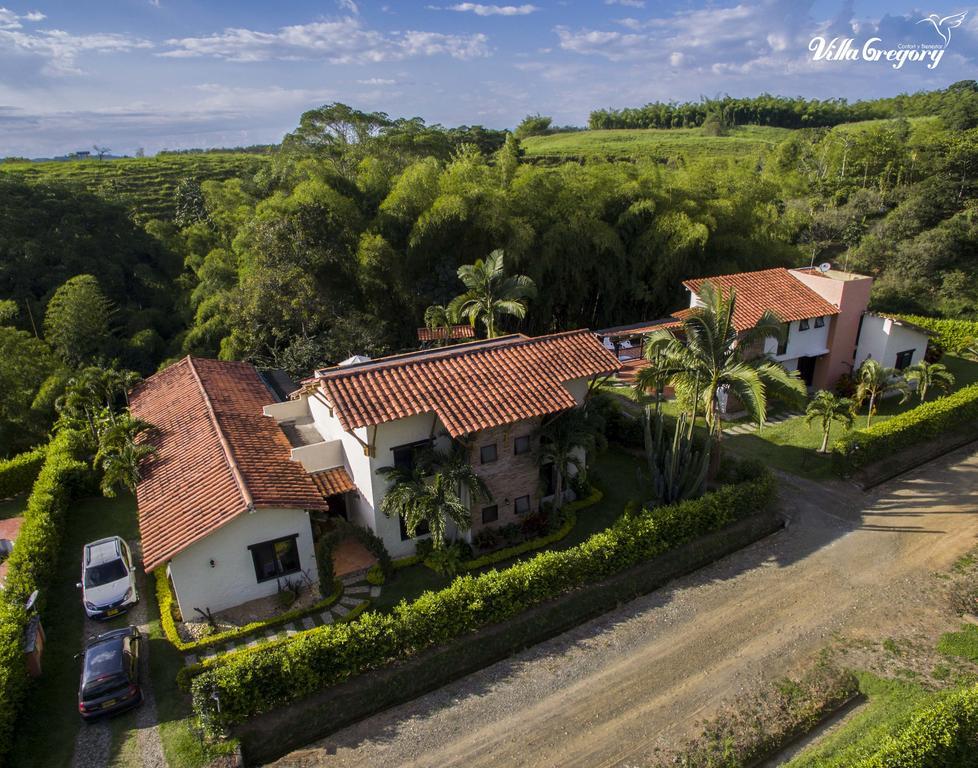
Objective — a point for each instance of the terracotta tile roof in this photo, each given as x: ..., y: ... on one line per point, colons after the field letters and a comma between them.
x: 218, y: 455
x: 454, y: 332
x: 469, y: 386
x: 333, y: 481
x: 774, y: 289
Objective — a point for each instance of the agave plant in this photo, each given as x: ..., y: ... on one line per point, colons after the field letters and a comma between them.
x: 677, y: 469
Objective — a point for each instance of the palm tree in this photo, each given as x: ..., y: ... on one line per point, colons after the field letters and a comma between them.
x: 121, y: 452
x: 432, y: 500
x: 659, y: 370
x: 930, y: 376
x: 432, y: 493
x: 827, y: 407
x: 705, y: 358
x: 491, y: 293
x: 561, y: 441
x: 875, y: 382
x: 438, y: 320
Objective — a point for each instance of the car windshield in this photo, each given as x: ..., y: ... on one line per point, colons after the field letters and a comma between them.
x: 106, y: 573
x: 104, y: 669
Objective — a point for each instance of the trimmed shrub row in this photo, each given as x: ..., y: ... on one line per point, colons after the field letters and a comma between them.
x: 862, y: 447
x: 943, y: 735
x: 953, y: 335
x: 247, y: 683
x: 164, y: 597
x: 18, y: 474
x: 31, y: 565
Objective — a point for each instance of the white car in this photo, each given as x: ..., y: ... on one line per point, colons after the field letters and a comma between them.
x: 108, y: 582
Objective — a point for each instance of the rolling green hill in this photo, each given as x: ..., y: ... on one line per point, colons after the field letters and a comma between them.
x: 655, y: 144
x: 146, y: 185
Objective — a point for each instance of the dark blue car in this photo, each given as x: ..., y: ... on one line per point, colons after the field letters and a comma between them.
x: 110, y: 674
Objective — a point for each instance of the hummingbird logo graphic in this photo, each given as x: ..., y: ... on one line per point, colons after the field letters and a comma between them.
x: 945, y: 25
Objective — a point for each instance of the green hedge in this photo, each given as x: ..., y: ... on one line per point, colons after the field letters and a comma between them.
x: 164, y: 597
x: 18, y: 474
x: 862, y: 447
x: 32, y: 565
x: 953, y: 335
x: 943, y: 735
x: 250, y: 682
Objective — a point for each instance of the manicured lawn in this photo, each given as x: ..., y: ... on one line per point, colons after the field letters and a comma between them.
x: 891, y: 705
x: 614, y: 471
x: 52, y: 702
x: 792, y: 444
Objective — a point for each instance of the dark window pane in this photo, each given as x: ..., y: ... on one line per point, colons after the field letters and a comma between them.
x: 422, y: 529
x: 490, y: 514
x: 819, y: 322
x: 904, y: 359
x: 548, y: 479
x: 275, y: 558
x: 783, y: 343
x: 522, y: 505
x: 521, y: 445
x: 404, y: 458
x: 488, y: 453
x: 802, y: 325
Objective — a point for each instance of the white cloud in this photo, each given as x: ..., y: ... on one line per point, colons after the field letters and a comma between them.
x: 490, y: 10
x: 10, y: 20
x: 349, y: 6
x: 57, y: 51
x: 626, y: 3
x: 342, y: 41
x: 377, y: 81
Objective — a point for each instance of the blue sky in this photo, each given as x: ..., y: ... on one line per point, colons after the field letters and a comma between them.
x: 178, y: 74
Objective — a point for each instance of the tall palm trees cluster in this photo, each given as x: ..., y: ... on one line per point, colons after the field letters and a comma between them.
x: 96, y: 402
x: 705, y: 361
x: 874, y: 382
x: 490, y: 296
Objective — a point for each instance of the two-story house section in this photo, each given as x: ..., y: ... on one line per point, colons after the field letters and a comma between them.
x: 488, y: 396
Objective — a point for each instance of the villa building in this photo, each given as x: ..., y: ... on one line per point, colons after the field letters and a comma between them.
x: 829, y: 330
x: 227, y: 503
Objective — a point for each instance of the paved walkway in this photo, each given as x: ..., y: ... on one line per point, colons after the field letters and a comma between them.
x: 355, y: 592
x: 611, y: 691
x: 746, y: 427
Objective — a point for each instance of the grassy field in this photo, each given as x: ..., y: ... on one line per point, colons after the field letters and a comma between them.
x: 655, y: 144
x: 890, y: 707
x: 146, y: 185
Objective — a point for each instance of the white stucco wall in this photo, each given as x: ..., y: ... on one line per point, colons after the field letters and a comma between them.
x: 810, y: 343
x: 232, y: 580
x: 883, y: 339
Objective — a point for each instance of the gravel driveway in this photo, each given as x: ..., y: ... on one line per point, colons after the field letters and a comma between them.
x: 93, y: 745
x: 612, y: 690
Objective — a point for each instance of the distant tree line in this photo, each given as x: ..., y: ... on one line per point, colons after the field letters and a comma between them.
x: 957, y: 104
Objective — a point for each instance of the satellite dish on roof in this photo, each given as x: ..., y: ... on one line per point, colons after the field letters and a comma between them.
x: 31, y: 600
x: 824, y: 267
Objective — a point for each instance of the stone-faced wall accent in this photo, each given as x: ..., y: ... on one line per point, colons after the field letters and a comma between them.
x: 509, y: 476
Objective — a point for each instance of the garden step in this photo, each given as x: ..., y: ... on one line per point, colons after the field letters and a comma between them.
x: 353, y: 578
x: 357, y: 590
x: 190, y: 659
x: 352, y: 602
x: 308, y: 622
x: 326, y: 617
x: 290, y: 628
x: 340, y: 610
x: 375, y: 591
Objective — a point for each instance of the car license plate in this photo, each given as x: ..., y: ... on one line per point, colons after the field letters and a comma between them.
x: 107, y: 704
x: 112, y: 612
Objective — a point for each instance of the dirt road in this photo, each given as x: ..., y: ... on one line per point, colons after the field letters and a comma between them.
x: 609, y: 692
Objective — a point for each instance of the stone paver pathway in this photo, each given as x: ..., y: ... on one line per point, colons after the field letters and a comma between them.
x: 747, y: 427
x: 356, y: 591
